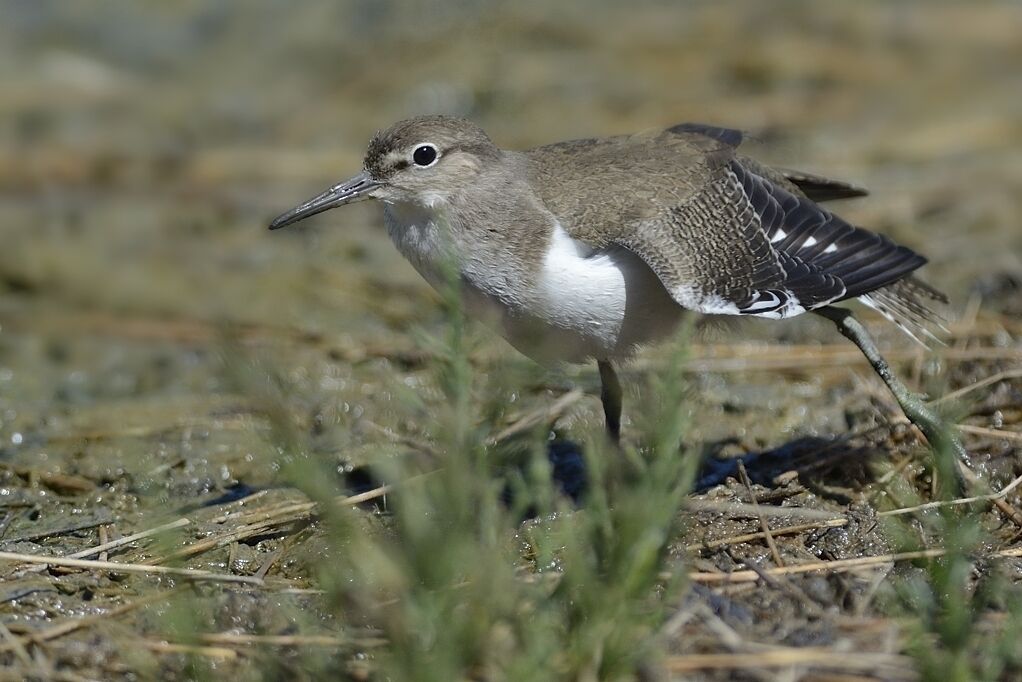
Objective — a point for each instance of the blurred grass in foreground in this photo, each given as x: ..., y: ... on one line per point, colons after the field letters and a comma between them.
x: 454, y: 582
x: 459, y: 588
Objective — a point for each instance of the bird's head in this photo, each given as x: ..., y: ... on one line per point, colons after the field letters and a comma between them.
x: 422, y: 160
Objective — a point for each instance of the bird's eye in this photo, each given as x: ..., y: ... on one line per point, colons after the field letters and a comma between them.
x: 424, y: 155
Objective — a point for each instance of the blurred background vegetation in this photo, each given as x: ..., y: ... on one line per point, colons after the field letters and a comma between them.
x: 163, y: 355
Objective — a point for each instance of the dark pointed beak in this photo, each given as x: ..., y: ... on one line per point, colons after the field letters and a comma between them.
x: 355, y: 189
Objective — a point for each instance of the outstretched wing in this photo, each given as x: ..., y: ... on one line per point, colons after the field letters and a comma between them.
x: 724, y: 234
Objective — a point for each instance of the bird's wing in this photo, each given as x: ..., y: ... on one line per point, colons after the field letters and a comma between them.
x: 814, y: 187
x: 725, y: 235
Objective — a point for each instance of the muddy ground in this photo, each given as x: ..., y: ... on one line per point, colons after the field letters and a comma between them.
x: 143, y: 150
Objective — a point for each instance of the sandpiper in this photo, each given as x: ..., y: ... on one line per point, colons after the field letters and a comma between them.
x: 590, y: 248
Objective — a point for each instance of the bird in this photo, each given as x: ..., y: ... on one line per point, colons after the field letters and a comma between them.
x: 591, y: 248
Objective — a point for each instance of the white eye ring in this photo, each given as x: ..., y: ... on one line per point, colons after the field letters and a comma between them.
x: 425, y: 155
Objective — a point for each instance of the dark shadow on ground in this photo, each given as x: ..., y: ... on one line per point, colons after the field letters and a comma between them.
x: 821, y: 462
x: 824, y: 460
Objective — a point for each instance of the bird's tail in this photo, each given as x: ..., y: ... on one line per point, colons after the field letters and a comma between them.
x: 908, y: 303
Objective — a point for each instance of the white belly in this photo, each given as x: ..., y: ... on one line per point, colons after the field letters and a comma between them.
x: 579, y: 304
x: 596, y: 304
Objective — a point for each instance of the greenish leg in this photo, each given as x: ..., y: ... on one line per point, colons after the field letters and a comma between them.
x: 610, y: 396
x: 942, y: 438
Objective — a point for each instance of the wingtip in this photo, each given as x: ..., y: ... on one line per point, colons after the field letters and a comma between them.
x: 819, y: 188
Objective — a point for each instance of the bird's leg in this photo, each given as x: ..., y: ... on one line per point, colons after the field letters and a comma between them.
x: 942, y: 437
x: 610, y: 396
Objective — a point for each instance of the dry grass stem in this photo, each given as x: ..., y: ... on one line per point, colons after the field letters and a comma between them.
x: 992, y: 433
x: 836, y: 566
x: 542, y: 415
x: 368, y: 495
x: 160, y: 647
x: 128, y: 539
x: 190, y: 573
x: 890, y: 666
x: 268, y: 513
x: 762, y: 519
x: 749, y: 537
x: 947, y: 503
x: 754, y: 512
x: 982, y: 383
x: 235, y: 535
x: 263, y: 521
x: 1005, y: 508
